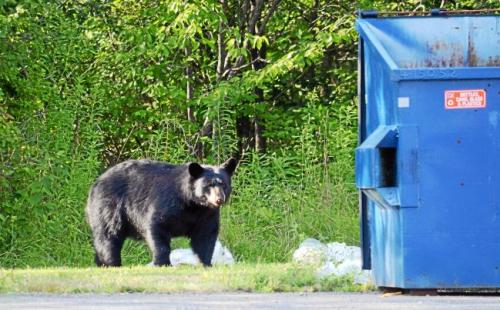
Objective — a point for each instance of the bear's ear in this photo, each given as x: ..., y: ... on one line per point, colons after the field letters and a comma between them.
x: 195, y: 170
x: 230, y: 165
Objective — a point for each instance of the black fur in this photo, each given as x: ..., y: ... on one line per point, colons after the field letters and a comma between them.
x: 156, y: 201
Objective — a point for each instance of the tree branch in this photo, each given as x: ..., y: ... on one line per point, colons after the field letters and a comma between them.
x: 189, y: 85
x: 230, y: 72
x: 258, y: 5
x: 268, y: 16
x: 245, y: 9
x: 221, y: 52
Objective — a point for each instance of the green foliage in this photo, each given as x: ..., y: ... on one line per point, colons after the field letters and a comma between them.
x: 86, y: 84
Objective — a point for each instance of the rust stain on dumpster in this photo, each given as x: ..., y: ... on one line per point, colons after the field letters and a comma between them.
x: 493, y: 61
x: 472, y: 58
x: 441, y: 54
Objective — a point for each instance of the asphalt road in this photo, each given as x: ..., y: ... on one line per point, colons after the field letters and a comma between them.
x: 246, y: 301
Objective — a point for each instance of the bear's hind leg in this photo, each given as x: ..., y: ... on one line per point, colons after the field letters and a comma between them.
x: 97, y: 260
x: 107, y: 251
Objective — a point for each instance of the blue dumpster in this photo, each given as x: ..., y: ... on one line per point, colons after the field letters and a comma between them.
x: 428, y: 159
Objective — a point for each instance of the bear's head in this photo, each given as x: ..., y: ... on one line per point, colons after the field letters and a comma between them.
x: 211, y: 185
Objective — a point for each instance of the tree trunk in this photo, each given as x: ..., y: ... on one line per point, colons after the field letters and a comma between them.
x: 189, y: 86
x: 253, y: 19
x: 197, y: 149
x: 257, y: 58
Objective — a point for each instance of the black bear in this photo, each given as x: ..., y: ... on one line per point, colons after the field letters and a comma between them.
x: 156, y: 201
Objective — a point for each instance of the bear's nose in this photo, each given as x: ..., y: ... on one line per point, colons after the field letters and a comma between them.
x: 219, y: 201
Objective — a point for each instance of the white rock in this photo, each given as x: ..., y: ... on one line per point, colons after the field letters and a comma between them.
x: 311, y: 251
x: 364, y: 277
x: 338, y: 260
x: 221, y: 256
x: 336, y: 252
x: 354, y: 253
x: 183, y: 257
x: 327, y: 270
x: 348, y: 267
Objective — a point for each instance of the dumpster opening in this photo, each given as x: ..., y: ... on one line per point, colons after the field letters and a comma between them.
x: 388, y: 162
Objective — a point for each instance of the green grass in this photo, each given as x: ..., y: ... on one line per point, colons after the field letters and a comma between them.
x: 239, y: 277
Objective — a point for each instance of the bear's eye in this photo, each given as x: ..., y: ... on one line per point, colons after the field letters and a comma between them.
x: 215, y: 183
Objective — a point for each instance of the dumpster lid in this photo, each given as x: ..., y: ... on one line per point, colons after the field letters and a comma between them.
x: 431, y: 42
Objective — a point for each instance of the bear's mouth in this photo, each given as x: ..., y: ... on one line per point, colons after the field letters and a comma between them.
x: 215, y: 204
x: 210, y: 203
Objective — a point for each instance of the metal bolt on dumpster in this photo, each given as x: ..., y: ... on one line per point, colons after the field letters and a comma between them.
x: 428, y: 160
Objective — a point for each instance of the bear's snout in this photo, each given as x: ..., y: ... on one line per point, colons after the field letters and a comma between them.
x: 216, y: 197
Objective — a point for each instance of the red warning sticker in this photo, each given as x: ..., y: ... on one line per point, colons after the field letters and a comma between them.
x: 465, y: 99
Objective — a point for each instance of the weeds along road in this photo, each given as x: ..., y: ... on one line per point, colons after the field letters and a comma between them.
x: 246, y: 301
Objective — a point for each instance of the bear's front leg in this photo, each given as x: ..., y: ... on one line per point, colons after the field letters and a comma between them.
x: 203, y: 245
x: 159, y: 243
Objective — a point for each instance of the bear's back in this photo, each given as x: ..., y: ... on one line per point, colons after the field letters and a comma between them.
x: 141, y: 166
x: 134, y: 175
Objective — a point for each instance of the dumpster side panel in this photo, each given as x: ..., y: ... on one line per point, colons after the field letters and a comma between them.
x: 386, y: 245
x: 380, y: 92
x: 451, y: 240
x: 384, y: 223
